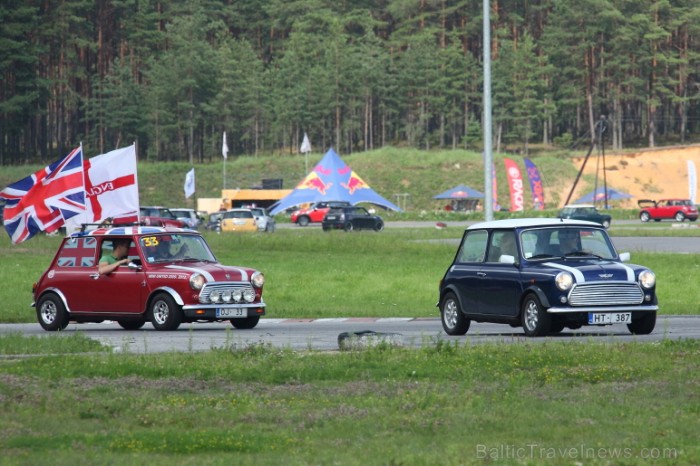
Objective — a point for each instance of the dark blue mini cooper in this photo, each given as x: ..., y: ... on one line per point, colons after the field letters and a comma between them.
x: 545, y: 275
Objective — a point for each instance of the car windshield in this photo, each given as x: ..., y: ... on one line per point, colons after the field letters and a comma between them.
x: 175, y: 247
x: 545, y: 243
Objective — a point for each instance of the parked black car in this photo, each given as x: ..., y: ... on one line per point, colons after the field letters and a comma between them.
x: 585, y: 212
x: 545, y: 275
x: 351, y: 218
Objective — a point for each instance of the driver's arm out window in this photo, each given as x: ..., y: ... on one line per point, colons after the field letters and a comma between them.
x: 473, y: 247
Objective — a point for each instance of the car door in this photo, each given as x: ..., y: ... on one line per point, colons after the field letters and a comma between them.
x: 500, y: 282
x: 463, y: 274
x: 118, y: 292
x: 362, y: 219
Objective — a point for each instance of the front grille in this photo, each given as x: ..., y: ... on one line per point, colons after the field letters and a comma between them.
x: 209, y: 288
x: 606, y: 294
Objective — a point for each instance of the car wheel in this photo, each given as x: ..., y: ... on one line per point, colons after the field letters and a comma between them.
x: 131, y: 324
x: 303, y: 221
x: 51, y: 313
x: 245, y: 324
x: 379, y: 226
x: 536, y: 321
x: 348, y: 226
x: 643, y: 325
x: 165, y: 313
x: 680, y: 216
x: 644, y: 217
x: 606, y: 224
x: 454, y: 322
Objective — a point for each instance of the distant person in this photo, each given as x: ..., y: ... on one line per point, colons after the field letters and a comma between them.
x: 119, y: 256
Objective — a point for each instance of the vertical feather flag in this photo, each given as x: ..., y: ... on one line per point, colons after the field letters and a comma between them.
x: 533, y: 174
x: 189, y: 183
x: 515, y: 183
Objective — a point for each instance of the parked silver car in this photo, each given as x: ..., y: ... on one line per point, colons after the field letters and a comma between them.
x: 263, y: 219
x: 189, y: 216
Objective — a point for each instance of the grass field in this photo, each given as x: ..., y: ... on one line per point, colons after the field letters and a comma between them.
x: 579, y: 402
x: 549, y: 403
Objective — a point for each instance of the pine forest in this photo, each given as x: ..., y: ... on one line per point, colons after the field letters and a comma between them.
x: 173, y: 75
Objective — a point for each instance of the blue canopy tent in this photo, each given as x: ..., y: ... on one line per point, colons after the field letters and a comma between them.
x: 463, y: 198
x: 460, y: 192
x: 599, y: 195
x: 332, y: 180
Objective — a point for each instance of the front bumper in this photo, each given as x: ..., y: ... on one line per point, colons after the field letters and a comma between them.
x: 573, y: 310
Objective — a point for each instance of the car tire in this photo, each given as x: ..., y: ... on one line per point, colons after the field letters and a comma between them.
x: 556, y: 329
x: 325, y: 228
x: 379, y: 226
x: 644, y: 217
x: 643, y: 325
x: 245, y: 324
x: 536, y: 321
x: 348, y: 226
x: 131, y: 324
x: 680, y: 217
x: 606, y: 224
x: 165, y: 314
x: 51, y: 313
x: 303, y: 221
x: 454, y: 322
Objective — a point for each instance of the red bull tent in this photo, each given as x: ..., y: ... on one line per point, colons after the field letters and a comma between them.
x: 332, y: 180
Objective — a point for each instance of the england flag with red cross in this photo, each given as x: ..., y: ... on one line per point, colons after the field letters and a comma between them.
x: 111, y: 188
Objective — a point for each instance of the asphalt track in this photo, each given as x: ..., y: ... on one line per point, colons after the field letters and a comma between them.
x: 323, y: 334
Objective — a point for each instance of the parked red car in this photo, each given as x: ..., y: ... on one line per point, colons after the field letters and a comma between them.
x: 315, y: 212
x: 171, y: 277
x: 160, y: 217
x: 669, y: 209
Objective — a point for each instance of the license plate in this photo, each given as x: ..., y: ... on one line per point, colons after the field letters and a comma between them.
x: 231, y: 312
x: 330, y: 217
x: 599, y: 318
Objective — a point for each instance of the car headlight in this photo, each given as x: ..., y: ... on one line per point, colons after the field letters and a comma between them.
x: 647, y: 279
x: 197, y: 281
x: 258, y: 279
x: 249, y: 295
x: 564, y: 281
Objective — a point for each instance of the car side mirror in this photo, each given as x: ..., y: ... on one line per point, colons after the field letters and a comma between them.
x: 506, y: 259
x: 625, y: 256
x: 134, y: 264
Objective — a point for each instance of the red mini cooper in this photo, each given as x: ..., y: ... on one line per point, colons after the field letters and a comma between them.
x: 171, y: 277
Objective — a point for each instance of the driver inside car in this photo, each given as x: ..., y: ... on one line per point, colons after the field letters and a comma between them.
x: 161, y: 251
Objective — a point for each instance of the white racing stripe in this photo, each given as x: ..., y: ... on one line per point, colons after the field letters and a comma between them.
x: 578, y: 276
x: 206, y: 274
x: 630, y: 272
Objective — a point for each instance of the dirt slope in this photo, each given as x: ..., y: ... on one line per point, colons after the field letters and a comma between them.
x: 646, y: 174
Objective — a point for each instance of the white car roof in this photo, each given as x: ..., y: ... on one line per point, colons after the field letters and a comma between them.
x: 531, y: 222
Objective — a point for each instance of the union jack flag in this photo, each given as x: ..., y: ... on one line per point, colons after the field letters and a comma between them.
x: 45, y: 200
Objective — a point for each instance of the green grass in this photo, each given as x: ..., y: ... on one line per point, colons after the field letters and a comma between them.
x: 312, y: 274
x: 530, y: 403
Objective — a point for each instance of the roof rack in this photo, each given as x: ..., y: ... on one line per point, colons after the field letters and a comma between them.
x: 109, y: 223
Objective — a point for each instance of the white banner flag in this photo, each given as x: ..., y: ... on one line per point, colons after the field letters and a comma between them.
x: 692, y: 181
x: 111, y: 189
x: 224, y: 147
x: 189, y: 183
x: 305, y: 145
